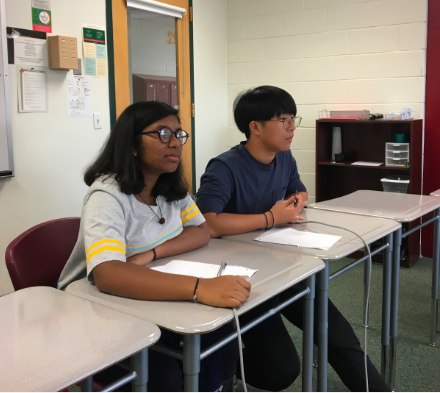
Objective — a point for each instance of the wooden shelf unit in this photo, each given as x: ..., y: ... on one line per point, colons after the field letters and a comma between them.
x: 364, y: 140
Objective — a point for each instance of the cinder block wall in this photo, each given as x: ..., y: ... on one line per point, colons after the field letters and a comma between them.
x: 333, y: 54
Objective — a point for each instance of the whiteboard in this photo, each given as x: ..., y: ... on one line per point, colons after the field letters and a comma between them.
x: 6, y: 157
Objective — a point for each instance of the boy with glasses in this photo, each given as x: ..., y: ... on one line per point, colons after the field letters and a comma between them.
x: 255, y: 185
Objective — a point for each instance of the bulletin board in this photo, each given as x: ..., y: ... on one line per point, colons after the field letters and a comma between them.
x: 6, y: 156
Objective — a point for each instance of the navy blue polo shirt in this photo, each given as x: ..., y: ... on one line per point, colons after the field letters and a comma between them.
x: 235, y: 182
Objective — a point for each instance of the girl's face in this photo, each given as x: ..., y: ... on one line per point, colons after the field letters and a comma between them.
x: 156, y: 156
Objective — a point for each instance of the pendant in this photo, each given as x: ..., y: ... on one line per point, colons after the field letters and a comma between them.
x: 162, y: 220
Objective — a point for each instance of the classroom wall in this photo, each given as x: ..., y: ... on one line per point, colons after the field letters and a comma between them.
x: 329, y: 54
x: 151, y: 53
x: 50, y: 149
x: 210, y: 81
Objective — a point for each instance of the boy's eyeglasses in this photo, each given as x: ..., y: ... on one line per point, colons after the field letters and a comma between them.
x: 289, y: 121
x: 166, y: 135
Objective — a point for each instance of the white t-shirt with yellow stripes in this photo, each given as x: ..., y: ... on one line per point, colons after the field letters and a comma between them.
x: 116, y: 226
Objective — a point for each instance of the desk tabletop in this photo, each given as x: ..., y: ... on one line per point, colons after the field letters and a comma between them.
x: 435, y: 193
x: 371, y: 229
x: 391, y: 205
x: 51, y: 339
x: 277, y: 271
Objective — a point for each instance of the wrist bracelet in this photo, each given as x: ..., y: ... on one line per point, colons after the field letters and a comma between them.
x: 273, y: 219
x: 267, y: 222
x: 195, y: 289
x: 154, y: 253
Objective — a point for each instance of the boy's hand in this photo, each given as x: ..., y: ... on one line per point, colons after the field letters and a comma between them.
x: 224, y: 291
x: 285, y: 212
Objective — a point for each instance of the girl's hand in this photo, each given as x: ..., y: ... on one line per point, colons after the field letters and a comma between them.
x: 224, y: 291
x: 142, y: 259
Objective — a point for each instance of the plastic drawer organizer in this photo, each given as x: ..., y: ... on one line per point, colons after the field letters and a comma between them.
x: 396, y: 184
x: 396, y: 154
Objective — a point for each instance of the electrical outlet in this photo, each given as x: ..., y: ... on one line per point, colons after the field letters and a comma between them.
x: 97, y: 121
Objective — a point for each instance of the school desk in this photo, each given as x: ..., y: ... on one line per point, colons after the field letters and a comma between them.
x: 51, y: 339
x: 193, y: 319
x: 371, y: 229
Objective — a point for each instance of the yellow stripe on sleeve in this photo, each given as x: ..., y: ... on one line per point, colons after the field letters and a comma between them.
x: 188, y: 217
x: 187, y: 210
x: 105, y: 241
x: 105, y: 248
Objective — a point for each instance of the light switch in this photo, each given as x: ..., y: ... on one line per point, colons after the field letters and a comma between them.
x: 97, y: 121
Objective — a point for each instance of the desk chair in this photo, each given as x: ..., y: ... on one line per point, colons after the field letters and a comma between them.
x: 37, y: 256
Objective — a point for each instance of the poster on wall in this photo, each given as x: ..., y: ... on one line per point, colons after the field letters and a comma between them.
x: 95, y: 50
x: 32, y: 90
x: 41, y: 16
x: 27, y: 47
x: 79, y: 96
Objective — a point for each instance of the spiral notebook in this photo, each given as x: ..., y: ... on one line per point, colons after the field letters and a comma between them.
x: 292, y: 237
x: 203, y: 270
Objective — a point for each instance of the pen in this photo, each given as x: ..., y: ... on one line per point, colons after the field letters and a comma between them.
x: 295, y: 203
x: 222, y: 267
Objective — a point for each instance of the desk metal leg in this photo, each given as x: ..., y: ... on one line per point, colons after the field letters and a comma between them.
x: 308, y: 336
x: 87, y: 384
x: 435, y: 281
x: 386, y: 310
x: 367, y: 269
x: 191, y: 362
x: 395, y: 306
x: 139, y: 364
x: 322, y: 328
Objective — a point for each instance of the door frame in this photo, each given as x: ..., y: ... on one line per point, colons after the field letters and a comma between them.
x: 119, y: 86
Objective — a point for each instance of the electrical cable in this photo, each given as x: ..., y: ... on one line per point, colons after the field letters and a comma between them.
x: 368, y: 288
x: 240, y: 349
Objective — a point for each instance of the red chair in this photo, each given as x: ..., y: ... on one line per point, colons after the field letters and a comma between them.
x: 37, y: 256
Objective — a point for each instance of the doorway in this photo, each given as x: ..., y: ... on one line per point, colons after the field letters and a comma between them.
x: 150, y: 47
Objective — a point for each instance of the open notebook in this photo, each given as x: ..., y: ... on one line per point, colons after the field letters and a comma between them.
x: 203, y: 270
x: 292, y: 237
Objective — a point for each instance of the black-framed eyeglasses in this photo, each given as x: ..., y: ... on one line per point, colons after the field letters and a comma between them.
x: 288, y: 121
x: 166, y: 135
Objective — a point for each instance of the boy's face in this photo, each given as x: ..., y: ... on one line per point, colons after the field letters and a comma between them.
x: 277, y: 133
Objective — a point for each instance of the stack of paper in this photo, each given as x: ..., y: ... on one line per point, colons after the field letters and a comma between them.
x: 203, y: 270
x: 292, y: 237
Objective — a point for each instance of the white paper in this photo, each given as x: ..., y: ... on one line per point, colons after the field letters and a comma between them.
x: 30, y: 51
x: 79, y: 96
x: 32, y: 90
x: 367, y: 163
x: 292, y: 237
x: 203, y: 270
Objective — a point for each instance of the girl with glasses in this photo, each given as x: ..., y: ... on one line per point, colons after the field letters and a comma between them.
x: 137, y: 210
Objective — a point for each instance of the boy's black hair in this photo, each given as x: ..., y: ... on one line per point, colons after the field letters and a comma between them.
x: 261, y: 104
x: 117, y: 154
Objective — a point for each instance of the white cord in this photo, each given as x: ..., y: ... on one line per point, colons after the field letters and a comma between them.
x: 240, y: 349
x: 368, y: 288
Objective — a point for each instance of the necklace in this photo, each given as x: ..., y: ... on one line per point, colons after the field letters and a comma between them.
x: 161, y: 218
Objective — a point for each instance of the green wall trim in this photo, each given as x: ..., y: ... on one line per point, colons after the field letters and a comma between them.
x: 111, y: 62
x: 193, y: 123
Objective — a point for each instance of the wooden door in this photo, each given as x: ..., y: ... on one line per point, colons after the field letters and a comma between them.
x: 122, y: 73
